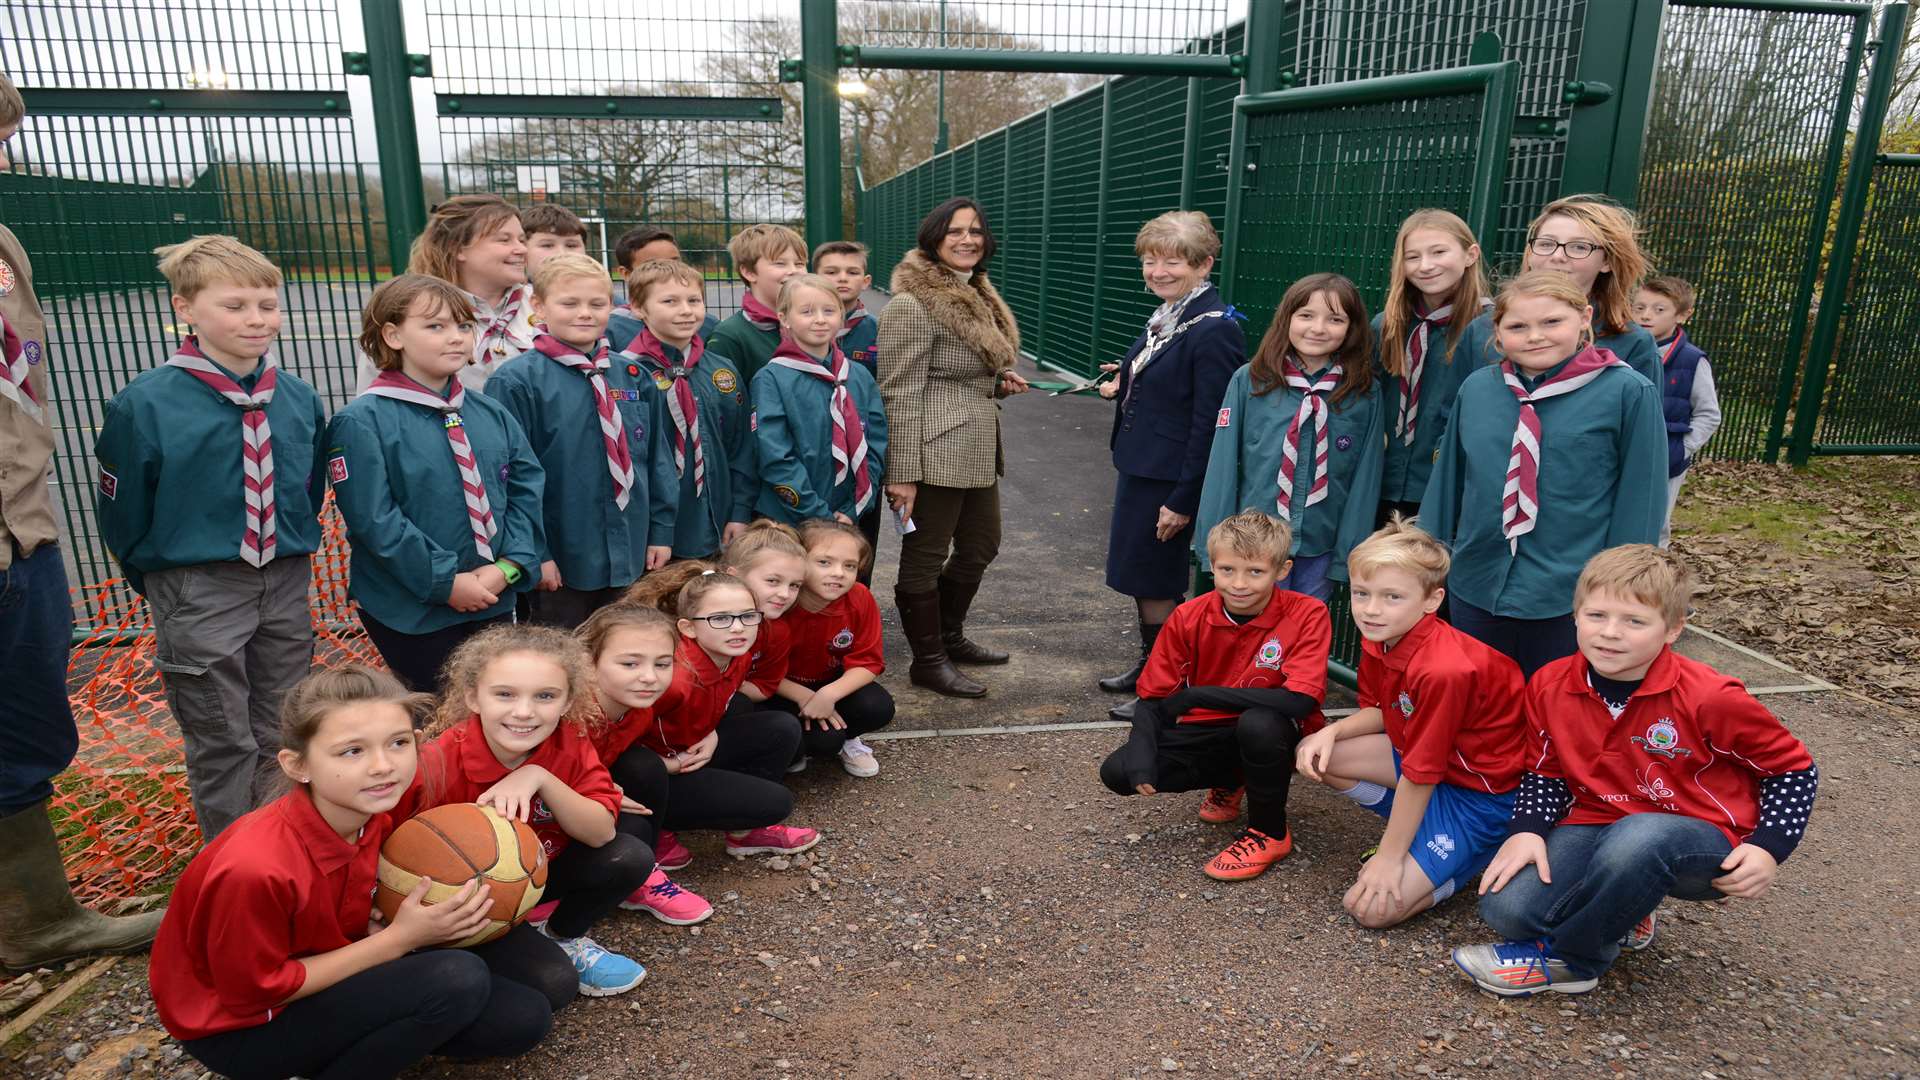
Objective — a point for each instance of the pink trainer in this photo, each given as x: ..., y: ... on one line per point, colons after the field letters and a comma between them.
x: 772, y: 840
x: 669, y: 853
x: 542, y: 912
x: 668, y: 902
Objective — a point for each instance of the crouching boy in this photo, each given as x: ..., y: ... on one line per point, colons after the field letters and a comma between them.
x: 1235, y: 678
x: 1650, y: 775
x: 1436, y: 745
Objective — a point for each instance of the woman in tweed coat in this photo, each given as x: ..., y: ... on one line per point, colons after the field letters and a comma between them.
x: 947, y: 349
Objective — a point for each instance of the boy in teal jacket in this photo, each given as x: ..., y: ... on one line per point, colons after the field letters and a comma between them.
x: 596, y: 427
x: 764, y: 256
x: 818, y: 421
x: 209, y: 495
x: 703, y: 402
x: 440, y: 491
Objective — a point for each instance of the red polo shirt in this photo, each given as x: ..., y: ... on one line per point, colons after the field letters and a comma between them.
x: 1452, y: 707
x: 459, y: 765
x: 614, y: 737
x: 278, y: 885
x: 844, y: 634
x: 770, y: 654
x: 1691, y: 741
x: 1283, y: 647
x: 693, y: 705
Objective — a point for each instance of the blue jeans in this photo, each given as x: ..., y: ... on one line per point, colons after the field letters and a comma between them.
x: 1309, y: 576
x: 37, y: 734
x: 1605, y: 879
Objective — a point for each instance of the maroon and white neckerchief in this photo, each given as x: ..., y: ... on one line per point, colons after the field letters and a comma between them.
x: 1520, y: 504
x: 1313, y: 409
x: 392, y: 384
x: 849, y: 431
x: 503, y: 331
x: 619, y: 457
x: 1419, y: 342
x: 256, y: 443
x: 681, y: 405
x: 1667, y: 350
x: 759, y: 314
x: 854, y: 314
x: 15, y: 385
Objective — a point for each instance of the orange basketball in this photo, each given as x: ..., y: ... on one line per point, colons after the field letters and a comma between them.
x: 453, y: 845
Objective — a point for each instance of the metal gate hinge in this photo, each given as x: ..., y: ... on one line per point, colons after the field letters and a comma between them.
x: 1586, y: 92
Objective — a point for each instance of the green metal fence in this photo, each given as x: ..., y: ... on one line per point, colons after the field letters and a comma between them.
x: 145, y: 127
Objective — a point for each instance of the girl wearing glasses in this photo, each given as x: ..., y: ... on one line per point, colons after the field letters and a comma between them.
x: 723, y: 770
x: 1594, y: 241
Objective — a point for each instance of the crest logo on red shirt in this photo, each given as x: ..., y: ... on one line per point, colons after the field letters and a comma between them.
x: 1269, y: 655
x: 1662, y: 740
x: 843, y: 640
x: 1406, y: 704
x: 538, y: 812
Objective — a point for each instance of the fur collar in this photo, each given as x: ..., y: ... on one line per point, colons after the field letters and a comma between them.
x: 970, y: 310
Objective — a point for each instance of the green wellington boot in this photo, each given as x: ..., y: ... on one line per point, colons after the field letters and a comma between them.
x: 40, y: 922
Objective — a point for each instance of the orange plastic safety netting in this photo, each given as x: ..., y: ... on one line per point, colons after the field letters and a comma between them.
x: 121, y: 810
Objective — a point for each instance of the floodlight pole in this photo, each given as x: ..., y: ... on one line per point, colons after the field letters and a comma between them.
x: 820, y: 119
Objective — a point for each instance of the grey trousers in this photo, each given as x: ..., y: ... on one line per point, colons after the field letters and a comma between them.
x: 230, y: 641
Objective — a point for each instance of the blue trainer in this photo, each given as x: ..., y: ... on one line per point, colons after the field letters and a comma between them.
x: 1519, y: 969
x: 602, y: 973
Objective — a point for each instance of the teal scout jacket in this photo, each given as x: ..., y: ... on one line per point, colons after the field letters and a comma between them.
x: 1408, y: 466
x: 720, y: 396
x: 793, y: 429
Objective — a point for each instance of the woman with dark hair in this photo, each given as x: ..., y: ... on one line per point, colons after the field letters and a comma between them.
x: 1168, y: 391
x: 948, y: 345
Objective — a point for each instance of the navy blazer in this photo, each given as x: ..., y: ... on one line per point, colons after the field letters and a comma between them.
x: 1163, y: 427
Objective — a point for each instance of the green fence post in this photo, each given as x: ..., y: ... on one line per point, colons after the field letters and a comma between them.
x: 1046, y: 236
x: 1263, y: 41
x: 820, y: 118
x: 1190, y: 144
x: 726, y: 217
x: 1816, y: 241
x: 1100, y: 228
x: 390, y: 73
x: 1846, y: 231
x: 1612, y: 94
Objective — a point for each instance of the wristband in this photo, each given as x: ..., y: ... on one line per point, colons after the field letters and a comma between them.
x: 513, y: 573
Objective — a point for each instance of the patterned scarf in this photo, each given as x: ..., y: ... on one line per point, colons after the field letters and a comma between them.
x: 1419, y: 344
x: 854, y: 315
x: 256, y: 443
x: 502, y: 333
x: 1163, y: 324
x: 1520, y: 506
x: 15, y: 386
x: 759, y: 314
x: 1313, y: 409
x: 619, y: 458
x: 392, y: 384
x: 681, y: 405
x: 849, y: 432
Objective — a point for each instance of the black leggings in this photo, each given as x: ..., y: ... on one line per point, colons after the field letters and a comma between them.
x: 416, y: 659
x: 1255, y: 750
x: 590, y: 882
x: 869, y: 708
x: 740, y: 788
x: 493, y: 1001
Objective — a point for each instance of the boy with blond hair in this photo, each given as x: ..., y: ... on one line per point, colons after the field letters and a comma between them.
x: 597, y: 428
x: 706, y: 419
x: 209, y: 495
x: 764, y: 256
x: 844, y: 262
x: 1436, y: 745
x: 40, y: 922
x: 1649, y: 775
x: 1236, y: 676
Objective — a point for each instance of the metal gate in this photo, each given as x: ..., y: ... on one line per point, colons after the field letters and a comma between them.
x: 176, y: 128
x: 1321, y: 177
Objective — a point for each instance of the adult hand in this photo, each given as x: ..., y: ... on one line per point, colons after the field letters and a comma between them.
x: 1011, y: 383
x: 1111, y: 387
x: 1170, y: 524
x: 901, y: 496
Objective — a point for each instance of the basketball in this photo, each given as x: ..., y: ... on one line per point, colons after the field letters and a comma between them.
x: 453, y: 845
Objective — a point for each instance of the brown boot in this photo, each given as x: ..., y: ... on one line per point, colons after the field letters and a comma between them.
x: 955, y: 599
x: 40, y: 923
x: 920, y: 618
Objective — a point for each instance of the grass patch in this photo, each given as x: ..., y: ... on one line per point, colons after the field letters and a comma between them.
x: 1793, y: 527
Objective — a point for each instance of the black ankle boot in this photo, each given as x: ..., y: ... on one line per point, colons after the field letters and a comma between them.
x: 1123, y: 684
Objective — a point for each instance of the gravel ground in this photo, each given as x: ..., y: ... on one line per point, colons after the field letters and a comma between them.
x: 984, y: 908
